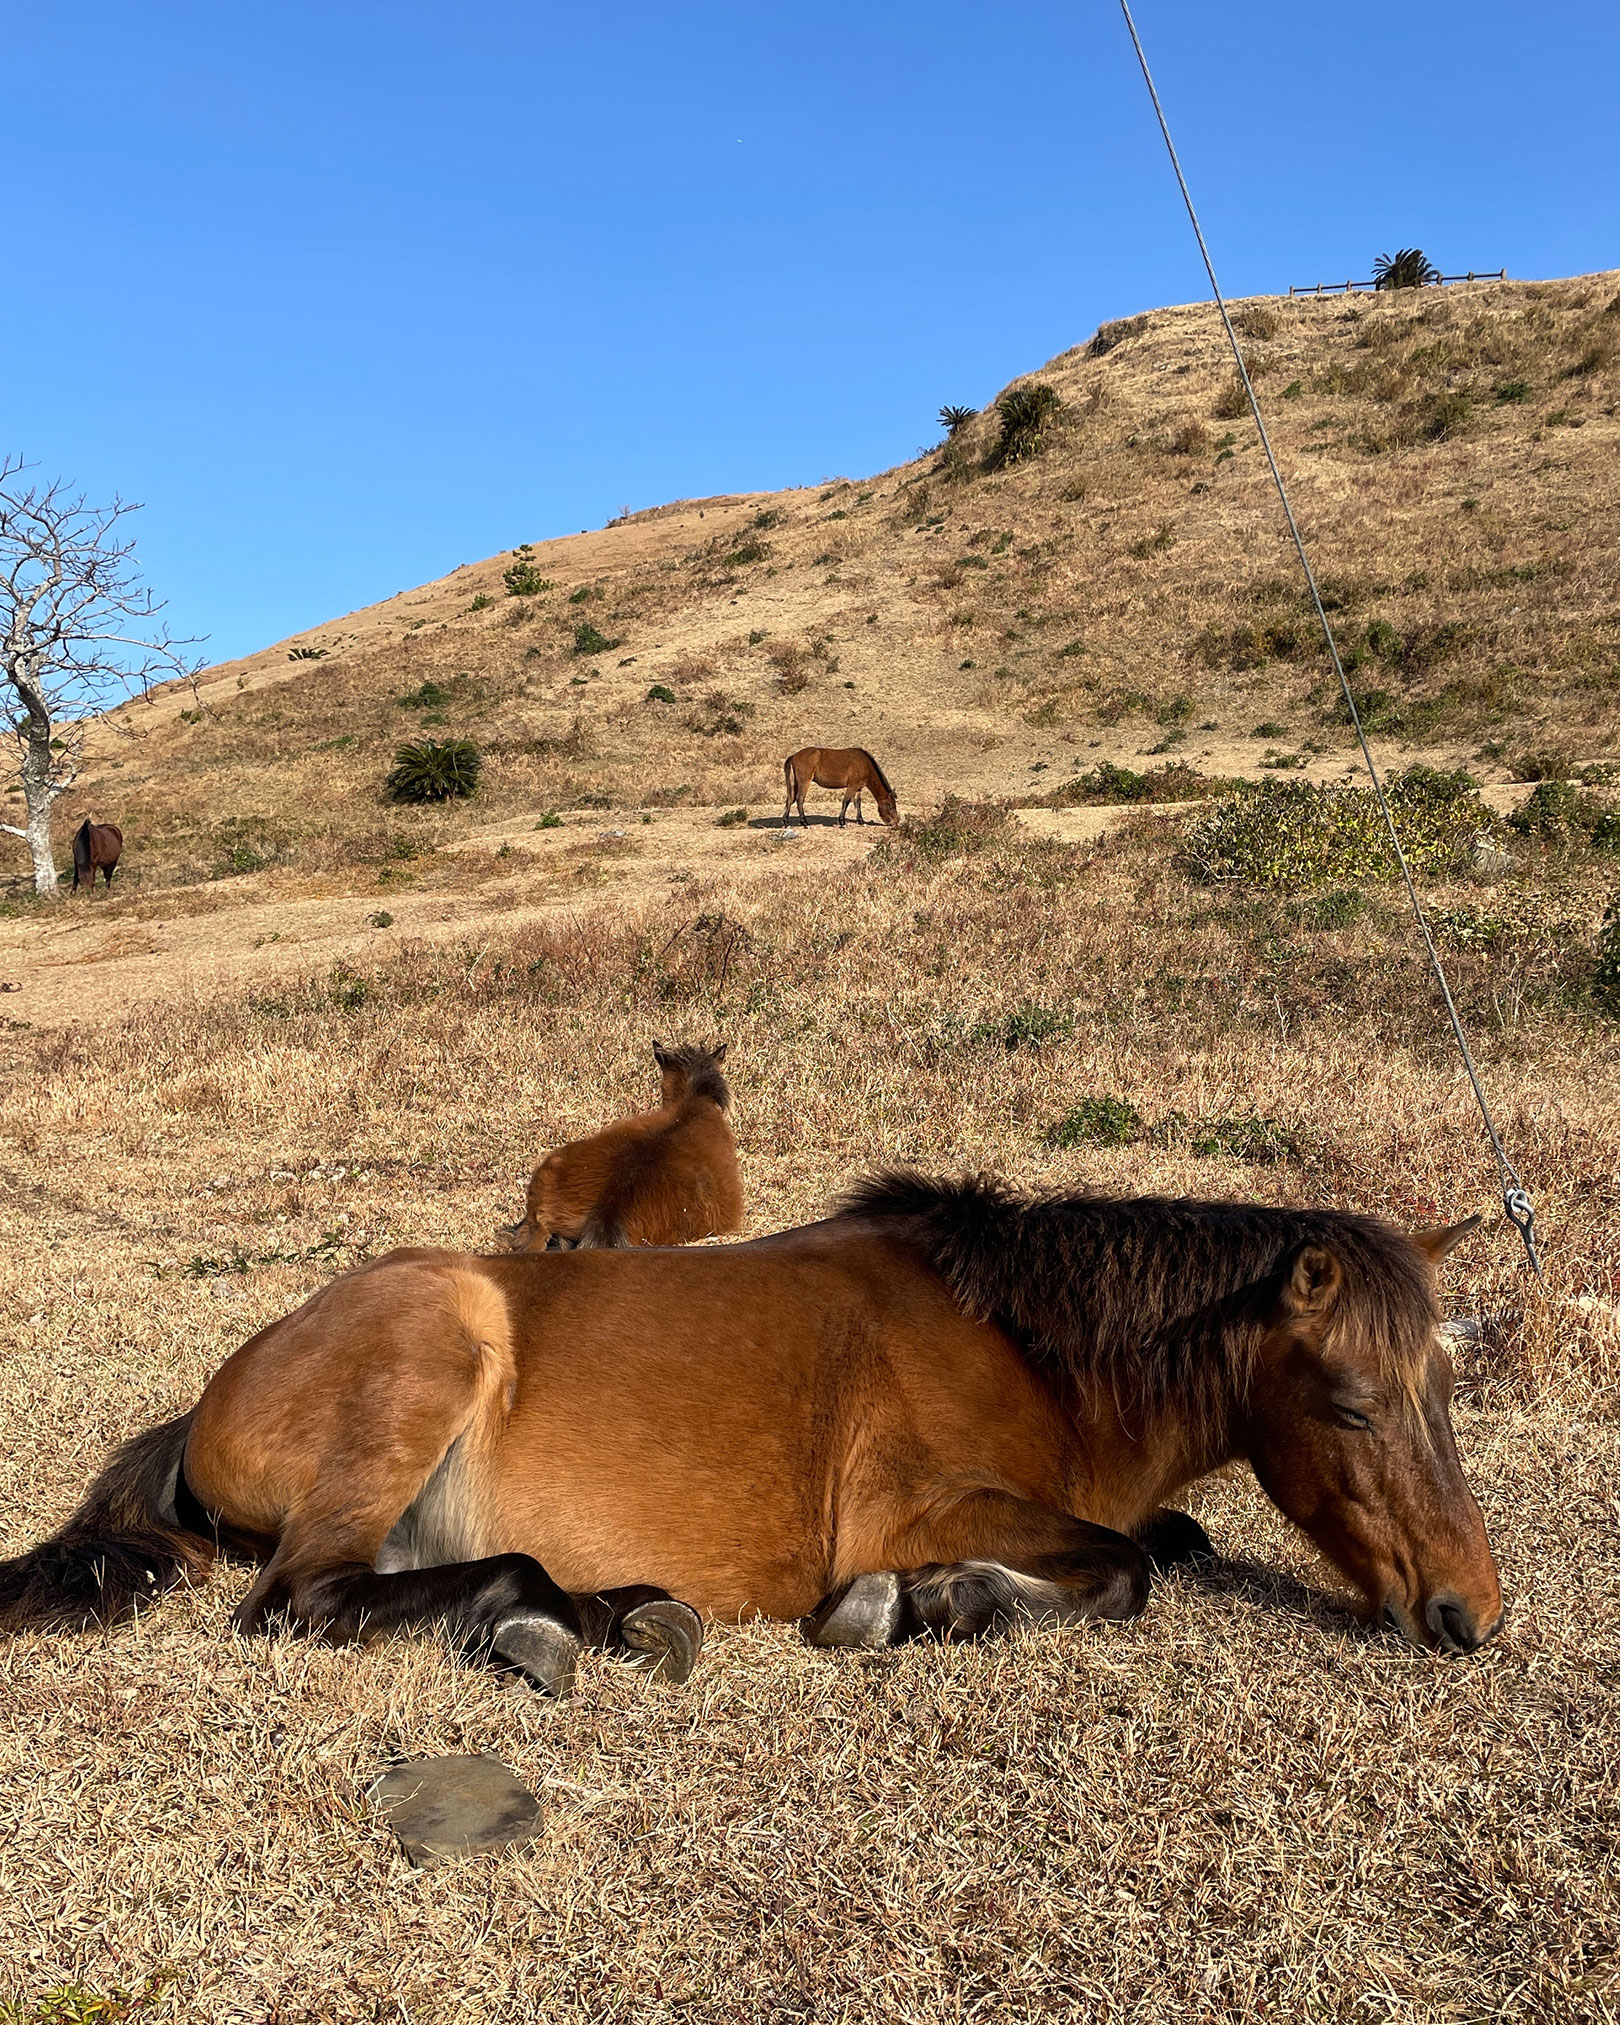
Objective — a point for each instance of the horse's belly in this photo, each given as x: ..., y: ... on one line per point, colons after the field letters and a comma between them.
x: 696, y: 1458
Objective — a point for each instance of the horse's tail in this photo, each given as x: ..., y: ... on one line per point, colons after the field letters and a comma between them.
x: 121, y: 1549
x: 787, y: 775
x: 81, y: 847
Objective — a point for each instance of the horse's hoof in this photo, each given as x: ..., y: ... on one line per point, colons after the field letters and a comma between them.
x: 543, y: 1651
x: 866, y: 1615
x: 1173, y: 1539
x: 664, y: 1637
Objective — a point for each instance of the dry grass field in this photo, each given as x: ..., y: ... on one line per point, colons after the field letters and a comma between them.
x: 225, y: 1084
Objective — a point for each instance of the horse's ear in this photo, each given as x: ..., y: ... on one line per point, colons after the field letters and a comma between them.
x: 719, y: 1053
x: 1313, y: 1281
x: 1443, y: 1240
x: 661, y: 1055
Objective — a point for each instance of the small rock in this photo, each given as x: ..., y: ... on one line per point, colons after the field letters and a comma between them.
x: 1490, y: 859
x: 1462, y: 1329
x: 444, y: 1808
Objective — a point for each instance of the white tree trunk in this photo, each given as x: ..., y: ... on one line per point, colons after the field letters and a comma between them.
x: 38, y: 793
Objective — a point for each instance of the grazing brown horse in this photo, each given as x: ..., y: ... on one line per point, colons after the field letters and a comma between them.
x: 944, y: 1410
x: 96, y: 848
x: 849, y: 768
x: 663, y: 1177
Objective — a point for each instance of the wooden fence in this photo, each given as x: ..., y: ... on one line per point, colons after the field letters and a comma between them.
x: 1371, y: 287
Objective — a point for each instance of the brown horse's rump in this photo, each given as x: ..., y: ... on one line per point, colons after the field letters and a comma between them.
x: 97, y: 847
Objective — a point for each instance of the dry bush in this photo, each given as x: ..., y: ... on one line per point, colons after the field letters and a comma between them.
x: 1256, y: 320
x: 791, y: 660
x: 1232, y: 402
x: 1191, y: 438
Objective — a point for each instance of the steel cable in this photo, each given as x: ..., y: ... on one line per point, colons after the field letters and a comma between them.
x: 1516, y: 1202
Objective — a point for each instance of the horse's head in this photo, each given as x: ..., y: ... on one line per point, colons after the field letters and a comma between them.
x: 692, y: 1071
x: 888, y: 805
x: 1349, y: 1431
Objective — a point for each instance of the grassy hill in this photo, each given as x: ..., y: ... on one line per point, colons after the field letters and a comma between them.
x: 1125, y: 591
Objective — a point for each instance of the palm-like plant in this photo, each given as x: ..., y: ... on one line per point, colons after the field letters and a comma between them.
x: 435, y: 770
x: 1409, y: 268
x: 951, y: 419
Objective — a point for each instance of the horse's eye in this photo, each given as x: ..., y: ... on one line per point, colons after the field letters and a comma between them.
x: 1347, y: 1416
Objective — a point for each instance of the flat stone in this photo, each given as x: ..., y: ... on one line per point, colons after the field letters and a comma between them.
x: 445, y: 1808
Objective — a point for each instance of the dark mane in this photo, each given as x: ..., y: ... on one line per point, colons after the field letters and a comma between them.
x: 1160, y: 1302
x: 703, y: 1077
x: 882, y: 778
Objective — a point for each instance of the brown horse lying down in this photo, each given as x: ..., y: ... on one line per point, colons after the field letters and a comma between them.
x: 943, y: 1410
x: 97, y: 847
x: 849, y: 768
x: 664, y: 1177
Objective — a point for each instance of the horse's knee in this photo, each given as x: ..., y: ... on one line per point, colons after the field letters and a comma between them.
x: 1172, y: 1539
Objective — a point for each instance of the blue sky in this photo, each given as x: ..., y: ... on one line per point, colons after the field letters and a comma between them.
x: 349, y: 294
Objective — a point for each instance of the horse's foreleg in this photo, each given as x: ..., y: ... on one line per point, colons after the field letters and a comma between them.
x: 655, y: 1632
x: 984, y: 1563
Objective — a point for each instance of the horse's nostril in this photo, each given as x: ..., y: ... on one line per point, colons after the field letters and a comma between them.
x: 1452, y: 1623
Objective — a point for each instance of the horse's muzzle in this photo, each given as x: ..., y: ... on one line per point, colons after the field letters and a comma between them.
x: 1449, y: 1623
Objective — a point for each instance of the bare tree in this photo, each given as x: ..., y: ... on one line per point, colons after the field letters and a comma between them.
x: 76, y: 636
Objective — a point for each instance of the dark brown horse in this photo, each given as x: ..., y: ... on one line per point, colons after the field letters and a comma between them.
x: 848, y: 768
x: 943, y: 1410
x: 96, y: 848
x: 663, y: 1177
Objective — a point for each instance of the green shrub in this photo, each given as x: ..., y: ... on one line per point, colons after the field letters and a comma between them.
x: 523, y: 580
x: 1409, y: 268
x: 429, y: 697
x: 1028, y: 1025
x: 1264, y: 1142
x: 1097, y: 1121
x: 952, y: 419
x: 381, y: 919
x: 549, y: 820
x: 481, y: 602
x: 1108, y: 786
x: 1337, y: 909
x: 434, y: 770
x: 1559, y: 812
x: 584, y: 594
x: 747, y: 552
x: 1300, y: 833
x: 733, y: 819
x: 1512, y: 390
x: 587, y: 640
x: 1023, y: 412
x: 660, y: 692
x: 306, y: 653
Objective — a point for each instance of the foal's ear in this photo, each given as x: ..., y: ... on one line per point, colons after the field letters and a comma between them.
x: 719, y: 1052
x: 1313, y: 1281
x: 1443, y: 1240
